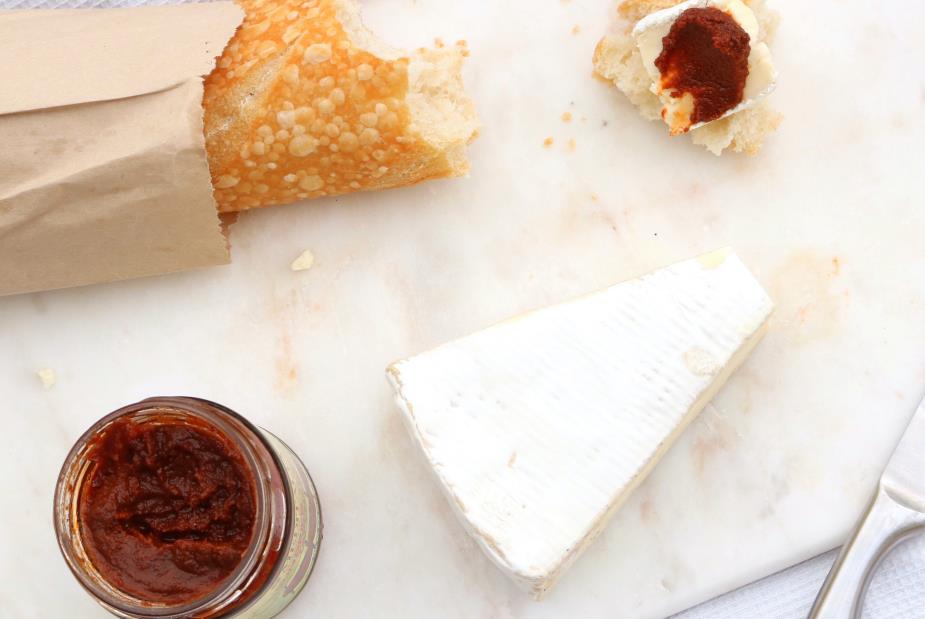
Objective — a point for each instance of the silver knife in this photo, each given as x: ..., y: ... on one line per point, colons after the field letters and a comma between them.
x: 896, y: 513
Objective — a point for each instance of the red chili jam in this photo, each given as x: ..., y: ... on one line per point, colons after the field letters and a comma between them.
x: 168, y: 509
x: 705, y: 54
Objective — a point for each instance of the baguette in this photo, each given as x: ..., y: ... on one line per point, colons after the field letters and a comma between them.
x: 305, y: 102
x: 617, y: 59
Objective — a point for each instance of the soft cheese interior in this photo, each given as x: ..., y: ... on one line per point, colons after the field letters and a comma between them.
x: 539, y: 427
x: 652, y: 28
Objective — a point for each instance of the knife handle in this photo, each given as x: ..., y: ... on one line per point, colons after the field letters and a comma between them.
x: 885, y: 524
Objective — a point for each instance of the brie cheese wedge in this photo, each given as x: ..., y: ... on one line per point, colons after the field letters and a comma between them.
x: 538, y: 428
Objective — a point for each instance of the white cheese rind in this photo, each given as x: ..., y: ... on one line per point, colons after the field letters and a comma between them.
x: 651, y: 29
x: 539, y: 427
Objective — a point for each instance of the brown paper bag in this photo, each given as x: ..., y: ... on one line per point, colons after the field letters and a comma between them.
x: 103, y: 172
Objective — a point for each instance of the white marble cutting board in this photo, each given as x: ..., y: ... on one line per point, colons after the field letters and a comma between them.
x: 830, y: 217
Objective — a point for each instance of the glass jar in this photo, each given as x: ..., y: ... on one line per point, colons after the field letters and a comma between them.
x: 286, y: 531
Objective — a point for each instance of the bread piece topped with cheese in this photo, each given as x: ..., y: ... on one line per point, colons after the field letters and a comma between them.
x: 701, y: 66
x: 540, y: 427
x: 305, y: 102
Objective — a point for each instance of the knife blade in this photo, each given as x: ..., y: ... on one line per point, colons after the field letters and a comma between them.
x: 904, y: 477
x: 896, y: 513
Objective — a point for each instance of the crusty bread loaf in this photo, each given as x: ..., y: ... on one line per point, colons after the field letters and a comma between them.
x: 617, y: 59
x: 305, y: 102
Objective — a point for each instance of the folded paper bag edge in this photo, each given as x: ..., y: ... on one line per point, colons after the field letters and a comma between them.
x: 66, y: 129
x: 158, y: 47
x: 148, y: 211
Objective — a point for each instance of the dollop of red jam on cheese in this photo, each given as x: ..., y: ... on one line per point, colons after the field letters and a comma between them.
x: 705, y: 53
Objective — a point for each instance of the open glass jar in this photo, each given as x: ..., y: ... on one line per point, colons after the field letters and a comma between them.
x: 177, y: 507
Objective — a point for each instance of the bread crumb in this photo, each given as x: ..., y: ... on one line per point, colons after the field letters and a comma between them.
x: 438, y: 43
x: 576, y: 29
x: 48, y: 377
x: 594, y: 197
x: 304, y: 262
x: 567, y: 117
x: 571, y: 145
x: 547, y: 143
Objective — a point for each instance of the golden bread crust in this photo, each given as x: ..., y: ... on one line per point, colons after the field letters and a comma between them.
x: 296, y: 109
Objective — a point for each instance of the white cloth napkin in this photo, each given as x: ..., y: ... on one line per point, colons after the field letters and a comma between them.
x: 82, y: 4
x: 897, y: 591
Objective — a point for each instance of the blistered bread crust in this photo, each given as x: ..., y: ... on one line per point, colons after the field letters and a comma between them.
x: 296, y: 109
x: 617, y: 59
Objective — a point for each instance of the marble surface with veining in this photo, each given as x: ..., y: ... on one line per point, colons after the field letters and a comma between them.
x: 830, y: 217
